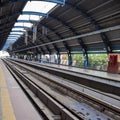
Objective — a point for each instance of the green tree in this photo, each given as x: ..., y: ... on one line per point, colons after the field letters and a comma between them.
x: 79, y: 59
x: 96, y: 61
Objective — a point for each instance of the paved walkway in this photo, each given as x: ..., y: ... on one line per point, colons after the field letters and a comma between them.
x: 14, y: 104
x: 6, y: 110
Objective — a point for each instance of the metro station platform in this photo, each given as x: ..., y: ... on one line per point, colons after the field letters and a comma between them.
x: 14, y: 105
x: 95, y: 73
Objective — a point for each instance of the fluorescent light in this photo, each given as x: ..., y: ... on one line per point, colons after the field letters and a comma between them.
x: 24, y: 24
x: 20, y: 33
x: 29, y: 17
x: 22, y: 29
x: 14, y: 35
x: 39, y: 6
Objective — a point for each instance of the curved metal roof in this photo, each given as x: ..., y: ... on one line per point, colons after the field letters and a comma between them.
x: 8, y: 17
x: 78, y: 26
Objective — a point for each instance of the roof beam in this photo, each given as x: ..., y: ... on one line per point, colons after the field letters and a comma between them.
x: 59, y: 35
x: 27, y: 21
x: 30, y: 43
x: 46, y: 46
x: 10, y: 15
x: 23, y: 13
x: 15, y: 34
x: 78, y: 36
x: 80, y: 41
x: 15, y: 38
x: 4, y: 34
x: 21, y: 27
x: 18, y: 31
x: 7, y: 23
x: 23, y: 21
x: 34, y: 13
x: 95, y: 24
x: 54, y: 45
x: 5, y: 31
x: 18, y: 42
x: 50, y: 40
x: 51, y: 29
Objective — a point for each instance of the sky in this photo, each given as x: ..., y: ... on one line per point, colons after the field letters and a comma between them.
x: 36, y: 6
x: 3, y: 54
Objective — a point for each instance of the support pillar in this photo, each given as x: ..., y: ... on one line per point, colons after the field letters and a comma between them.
x: 39, y: 57
x: 70, y: 59
x: 85, y: 61
x: 58, y: 57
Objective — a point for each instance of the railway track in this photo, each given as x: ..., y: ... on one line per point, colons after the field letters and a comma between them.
x: 47, y: 106
x: 109, y: 85
x: 97, y: 99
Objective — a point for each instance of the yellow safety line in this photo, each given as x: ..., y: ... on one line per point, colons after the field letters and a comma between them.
x: 7, y: 110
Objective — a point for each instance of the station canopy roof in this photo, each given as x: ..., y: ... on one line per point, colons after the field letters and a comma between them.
x: 77, y: 26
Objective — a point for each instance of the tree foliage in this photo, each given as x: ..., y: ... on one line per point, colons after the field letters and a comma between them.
x: 79, y: 60
x: 96, y: 61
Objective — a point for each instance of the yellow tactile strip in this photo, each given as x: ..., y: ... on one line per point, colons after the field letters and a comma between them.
x: 7, y: 110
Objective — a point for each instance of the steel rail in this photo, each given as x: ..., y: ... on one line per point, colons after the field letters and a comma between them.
x: 60, y: 110
x: 106, y: 105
